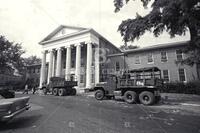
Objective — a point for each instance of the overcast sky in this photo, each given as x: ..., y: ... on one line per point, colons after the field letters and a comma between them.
x: 29, y: 21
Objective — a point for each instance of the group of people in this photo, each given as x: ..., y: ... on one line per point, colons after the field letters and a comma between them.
x: 26, y: 89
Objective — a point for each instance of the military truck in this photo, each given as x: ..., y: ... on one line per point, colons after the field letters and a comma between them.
x: 60, y: 87
x: 141, y: 85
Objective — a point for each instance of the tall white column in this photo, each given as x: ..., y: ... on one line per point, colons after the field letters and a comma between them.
x: 58, y: 63
x: 78, y: 63
x: 43, y: 69
x: 97, y: 64
x: 53, y: 64
x: 89, y: 65
x: 68, y: 63
x: 50, y: 65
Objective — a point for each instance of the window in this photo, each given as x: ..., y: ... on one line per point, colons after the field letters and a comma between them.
x: 81, y: 79
x: 117, y: 66
x: 179, y: 55
x: 181, y: 73
x: 163, y: 56
x: 137, y: 60
x: 33, y: 70
x: 150, y: 58
x: 93, y: 78
x: 73, y: 64
x: 166, y: 75
x: 82, y: 62
x: 38, y: 70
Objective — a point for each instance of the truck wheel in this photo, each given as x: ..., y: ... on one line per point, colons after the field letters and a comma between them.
x: 130, y: 97
x: 55, y: 91
x: 99, y: 94
x: 147, y: 98
x: 61, y: 92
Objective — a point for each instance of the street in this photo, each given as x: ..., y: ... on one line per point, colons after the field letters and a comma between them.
x: 84, y: 114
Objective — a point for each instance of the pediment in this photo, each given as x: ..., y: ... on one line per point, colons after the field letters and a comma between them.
x: 63, y: 31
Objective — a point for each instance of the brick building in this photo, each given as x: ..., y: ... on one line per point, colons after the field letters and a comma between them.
x: 163, y: 56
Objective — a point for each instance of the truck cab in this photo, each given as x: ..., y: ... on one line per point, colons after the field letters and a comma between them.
x: 141, y: 85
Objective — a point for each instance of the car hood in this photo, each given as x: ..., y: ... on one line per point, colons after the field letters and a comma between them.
x: 21, y: 102
x: 14, y: 99
x: 11, y: 105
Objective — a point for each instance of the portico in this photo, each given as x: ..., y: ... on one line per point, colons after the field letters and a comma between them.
x: 72, y: 53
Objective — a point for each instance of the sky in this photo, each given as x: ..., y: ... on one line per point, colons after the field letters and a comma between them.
x: 29, y: 21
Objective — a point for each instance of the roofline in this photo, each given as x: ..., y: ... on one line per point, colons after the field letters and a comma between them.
x: 65, y: 36
x: 35, y: 65
x: 57, y: 29
x: 158, y: 46
x: 85, y: 30
x: 114, y: 55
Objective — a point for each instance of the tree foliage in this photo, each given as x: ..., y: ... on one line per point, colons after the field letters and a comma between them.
x: 174, y: 16
x: 10, y: 55
x: 32, y: 60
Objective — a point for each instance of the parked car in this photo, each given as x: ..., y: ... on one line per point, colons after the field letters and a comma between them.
x: 11, y: 107
x: 7, y: 92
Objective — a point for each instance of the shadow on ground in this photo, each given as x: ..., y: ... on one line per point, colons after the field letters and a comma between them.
x: 20, y: 122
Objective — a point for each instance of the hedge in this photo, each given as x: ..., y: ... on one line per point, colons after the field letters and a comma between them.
x: 185, y: 88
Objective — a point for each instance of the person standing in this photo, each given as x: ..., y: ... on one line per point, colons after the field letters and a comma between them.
x: 34, y: 89
x: 26, y: 89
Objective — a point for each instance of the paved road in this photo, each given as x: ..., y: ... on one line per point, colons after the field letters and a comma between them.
x: 82, y: 114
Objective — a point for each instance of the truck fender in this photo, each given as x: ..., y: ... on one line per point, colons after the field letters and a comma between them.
x: 99, y: 88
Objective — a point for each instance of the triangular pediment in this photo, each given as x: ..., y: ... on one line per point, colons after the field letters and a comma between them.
x: 63, y: 31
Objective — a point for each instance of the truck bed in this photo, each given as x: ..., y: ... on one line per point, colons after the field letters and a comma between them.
x: 64, y: 84
x: 135, y: 83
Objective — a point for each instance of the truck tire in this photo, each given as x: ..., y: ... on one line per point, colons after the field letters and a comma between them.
x: 99, y: 94
x: 130, y: 97
x: 55, y: 91
x: 61, y: 92
x: 147, y: 98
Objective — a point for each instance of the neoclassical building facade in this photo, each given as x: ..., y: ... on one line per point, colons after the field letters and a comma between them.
x: 74, y: 53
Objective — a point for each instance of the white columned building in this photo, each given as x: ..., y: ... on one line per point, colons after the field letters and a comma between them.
x: 74, y: 54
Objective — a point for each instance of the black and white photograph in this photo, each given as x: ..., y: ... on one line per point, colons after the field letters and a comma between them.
x: 99, y: 66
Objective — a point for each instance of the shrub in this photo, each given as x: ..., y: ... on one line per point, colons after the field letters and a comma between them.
x: 192, y: 87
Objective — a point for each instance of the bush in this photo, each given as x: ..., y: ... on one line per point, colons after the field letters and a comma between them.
x: 179, y: 87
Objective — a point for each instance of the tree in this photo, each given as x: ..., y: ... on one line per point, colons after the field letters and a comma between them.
x: 174, y: 16
x: 10, y: 55
x: 32, y: 60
